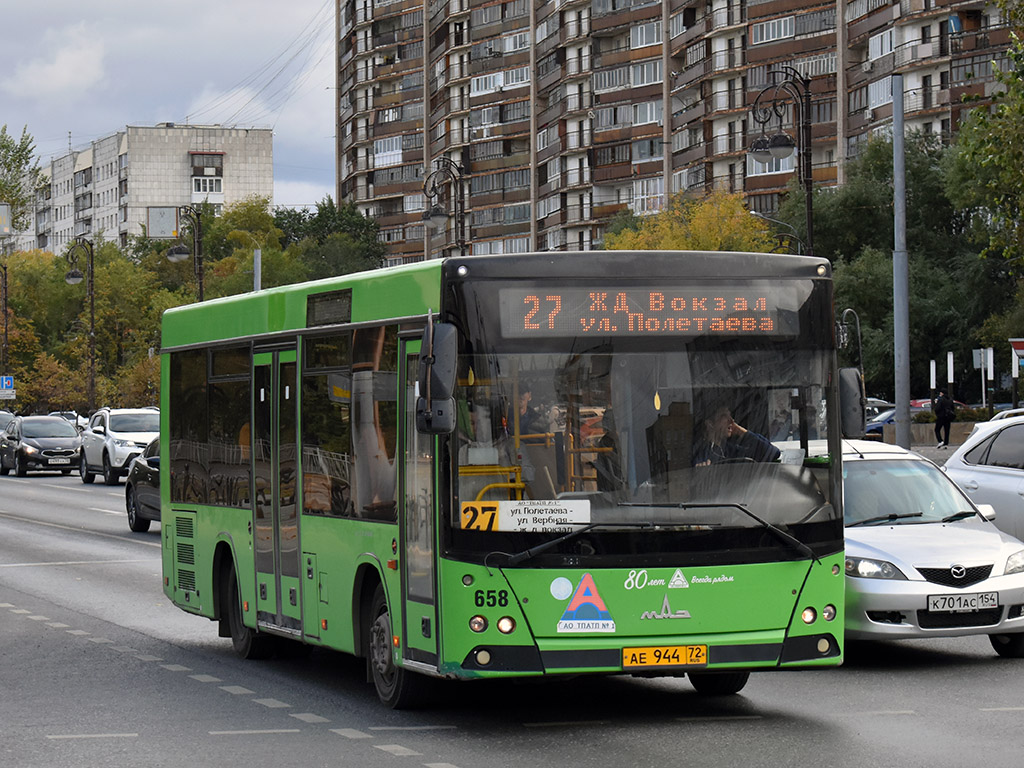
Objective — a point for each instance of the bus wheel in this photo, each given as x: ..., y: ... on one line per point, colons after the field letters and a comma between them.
x: 247, y: 642
x: 397, y: 688
x: 718, y: 683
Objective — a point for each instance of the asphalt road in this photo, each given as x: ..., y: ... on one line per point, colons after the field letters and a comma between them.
x: 97, y: 668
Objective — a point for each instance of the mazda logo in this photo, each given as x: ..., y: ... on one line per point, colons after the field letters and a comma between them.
x: 957, y: 571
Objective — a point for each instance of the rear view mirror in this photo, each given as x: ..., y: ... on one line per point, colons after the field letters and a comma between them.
x: 987, y: 511
x: 851, y: 403
x: 435, y: 406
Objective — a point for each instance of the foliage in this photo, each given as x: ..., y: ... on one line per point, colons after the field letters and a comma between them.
x: 19, y: 175
x: 332, y: 240
x: 985, y: 175
x: 717, y: 222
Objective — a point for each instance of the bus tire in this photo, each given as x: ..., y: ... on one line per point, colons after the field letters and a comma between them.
x: 397, y: 688
x: 247, y: 642
x: 718, y: 683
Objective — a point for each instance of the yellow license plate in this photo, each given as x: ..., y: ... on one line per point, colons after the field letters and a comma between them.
x: 665, y: 656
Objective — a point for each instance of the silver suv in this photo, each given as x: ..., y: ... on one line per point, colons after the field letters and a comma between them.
x: 113, y: 437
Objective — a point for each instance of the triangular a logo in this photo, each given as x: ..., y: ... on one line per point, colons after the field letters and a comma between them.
x: 678, y: 580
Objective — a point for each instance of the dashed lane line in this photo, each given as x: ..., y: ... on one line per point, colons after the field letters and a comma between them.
x: 255, y: 732
x: 351, y: 733
x: 206, y: 679
x: 309, y: 717
x: 272, y: 703
x: 397, y: 750
x: 413, y: 727
x: 79, y: 530
x: 93, y: 736
x: 77, y: 562
x: 237, y: 690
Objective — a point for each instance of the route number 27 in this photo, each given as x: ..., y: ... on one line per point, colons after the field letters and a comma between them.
x: 479, y: 516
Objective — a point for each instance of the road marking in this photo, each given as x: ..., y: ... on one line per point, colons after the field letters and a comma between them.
x: 147, y: 657
x: 254, y: 733
x: 206, y: 678
x: 397, y: 750
x: 412, y: 727
x: 107, y: 511
x: 176, y: 668
x: 351, y: 733
x: 236, y: 690
x: 563, y: 723
x: 886, y: 712
x: 79, y: 530
x: 58, y: 625
x: 19, y: 611
x: 272, y: 703
x: 75, y: 562
x: 94, y: 736
x: 6, y: 605
x: 39, y: 618
x: 1001, y: 709
x: 78, y: 632
x: 309, y: 717
x: 100, y: 640
x: 440, y: 765
x: 721, y: 718
x: 124, y: 649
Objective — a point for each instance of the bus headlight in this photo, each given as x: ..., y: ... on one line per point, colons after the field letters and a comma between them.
x: 829, y: 612
x: 809, y: 615
x: 506, y: 625
x: 478, y: 623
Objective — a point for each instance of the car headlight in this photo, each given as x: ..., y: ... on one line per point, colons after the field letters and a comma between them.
x: 123, y: 443
x: 29, y: 448
x: 1015, y: 563
x: 865, y: 568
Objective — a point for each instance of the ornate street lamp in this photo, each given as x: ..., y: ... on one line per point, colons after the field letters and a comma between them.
x: 446, y: 170
x: 3, y: 362
x: 74, y: 277
x: 179, y: 252
x: 787, y: 83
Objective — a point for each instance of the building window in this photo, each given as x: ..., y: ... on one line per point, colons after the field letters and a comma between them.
x: 648, y: 195
x: 881, y: 44
x: 776, y: 29
x: 647, y: 112
x: 775, y: 165
x: 645, y: 34
x: 646, y: 73
x: 387, y: 151
x: 880, y: 92
x: 207, y: 185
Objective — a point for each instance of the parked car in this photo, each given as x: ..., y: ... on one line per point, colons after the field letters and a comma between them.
x: 113, y: 438
x: 5, y: 419
x: 989, y: 466
x: 1007, y: 413
x: 142, y: 488
x: 926, y: 404
x: 921, y: 559
x: 873, y: 406
x: 31, y: 443
x: 73, y: 417
x: 876, y: 426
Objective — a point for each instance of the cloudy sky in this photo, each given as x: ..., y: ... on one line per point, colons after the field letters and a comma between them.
x: 90, y: 67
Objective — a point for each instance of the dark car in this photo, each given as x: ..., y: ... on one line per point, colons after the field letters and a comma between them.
x: 5, y: 419
x: 142, y: 488
x: 39, y: 443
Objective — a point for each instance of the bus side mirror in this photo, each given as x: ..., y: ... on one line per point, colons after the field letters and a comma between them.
x: 435, y: 406
x: 851, y: 403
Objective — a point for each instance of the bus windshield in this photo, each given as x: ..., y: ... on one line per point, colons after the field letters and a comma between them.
x: 677, y: 432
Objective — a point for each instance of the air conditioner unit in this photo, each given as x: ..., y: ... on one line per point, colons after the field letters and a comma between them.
x: 869, y: 114
x: 867, y: 66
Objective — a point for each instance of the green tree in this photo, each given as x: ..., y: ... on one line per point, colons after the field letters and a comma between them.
x: 316, y: 235
x: 19, y: 175
x: 985, y: 168
x: 716, y: 222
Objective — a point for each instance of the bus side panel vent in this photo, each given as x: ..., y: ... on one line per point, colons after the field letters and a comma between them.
x: 185, y: 555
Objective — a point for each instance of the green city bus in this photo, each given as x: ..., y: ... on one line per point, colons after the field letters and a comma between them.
x: 543, y: 464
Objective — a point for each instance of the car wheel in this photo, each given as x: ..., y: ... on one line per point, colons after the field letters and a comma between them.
x: 19, y: 466
x: 396, y: 687
x: 1009, y: 646
x: 110, y: 474
x: 136, y: 523
x: 247, y: 642
x: 3, y: 470
x: 83, y: 471
x: 718, y: 683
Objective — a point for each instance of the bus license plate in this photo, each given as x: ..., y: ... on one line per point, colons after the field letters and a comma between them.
x: 962, y: 603
x: 60, y: 461
x: 665, y: 656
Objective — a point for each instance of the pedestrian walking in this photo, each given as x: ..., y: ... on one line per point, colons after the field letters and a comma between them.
x: 945, y: 412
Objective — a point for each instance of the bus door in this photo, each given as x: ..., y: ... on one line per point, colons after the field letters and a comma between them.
x: 416, y: 522
x: 274, y: 471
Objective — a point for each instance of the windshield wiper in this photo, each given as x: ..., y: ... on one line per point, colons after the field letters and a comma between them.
x: 886, y: 518
x: 534, y: 551
x: 962, y: 515
x: 788, y: 538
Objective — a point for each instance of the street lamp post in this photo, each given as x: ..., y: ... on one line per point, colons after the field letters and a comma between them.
x: 446, y: 169
x: 179, y: 252
x: 74, y: 277
x: 791, y: 235
x: 3, y: 366
x: 769, y: 104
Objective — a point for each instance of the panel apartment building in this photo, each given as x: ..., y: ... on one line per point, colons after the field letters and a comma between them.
x: 559, y: 113
x: 107, y: 188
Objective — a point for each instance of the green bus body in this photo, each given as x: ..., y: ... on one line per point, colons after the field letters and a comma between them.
x: 604, y: 536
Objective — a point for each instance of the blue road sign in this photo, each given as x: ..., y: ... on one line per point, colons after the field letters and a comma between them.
x: 6, y: 382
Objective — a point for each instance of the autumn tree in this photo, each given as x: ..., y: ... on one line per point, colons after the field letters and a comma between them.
x: 19, y: 175
x: 717, y: 222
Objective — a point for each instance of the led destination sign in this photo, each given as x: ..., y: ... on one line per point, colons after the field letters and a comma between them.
x: 705, y: 310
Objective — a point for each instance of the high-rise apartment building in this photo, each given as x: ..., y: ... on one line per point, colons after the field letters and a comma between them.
x: 108, y: 187
x: 556, y: 114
